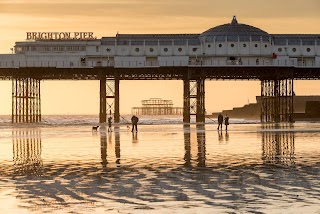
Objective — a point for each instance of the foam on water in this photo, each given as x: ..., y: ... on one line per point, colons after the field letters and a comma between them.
x: 124, y: 119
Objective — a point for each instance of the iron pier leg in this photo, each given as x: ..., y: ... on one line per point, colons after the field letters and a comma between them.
x: 103, y: 108
x: 26, y: 100
x: 117, y: 101
x: 112, y: 95
x: 200, y: 117
x: 277, y: 100
x: 186, y: 100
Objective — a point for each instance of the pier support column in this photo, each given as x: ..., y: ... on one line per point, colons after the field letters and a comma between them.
x: 200, y: 117
x: 109, y: 99
x: 117, y: 101
x: 277, y: 100
x: 103, y: 102
x: 193, y: 100
x: 26, y: 100
x: 186, y: 100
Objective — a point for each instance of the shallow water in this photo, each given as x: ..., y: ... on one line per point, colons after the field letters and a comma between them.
x: 161, y: 169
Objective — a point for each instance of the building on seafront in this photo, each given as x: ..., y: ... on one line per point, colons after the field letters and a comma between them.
x: 305, y: 108
x: 157, y: 106
x: 231, y: 44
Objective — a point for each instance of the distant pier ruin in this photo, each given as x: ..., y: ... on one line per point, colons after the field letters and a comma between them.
x: 157, y: 106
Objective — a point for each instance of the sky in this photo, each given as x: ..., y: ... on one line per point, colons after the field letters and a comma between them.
x: 107, y: 17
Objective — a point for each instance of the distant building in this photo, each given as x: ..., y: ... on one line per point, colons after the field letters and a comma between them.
x: 304, y: 107
x: 157, y: 106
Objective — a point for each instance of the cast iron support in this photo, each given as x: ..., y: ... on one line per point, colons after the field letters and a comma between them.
x: 26, y: 101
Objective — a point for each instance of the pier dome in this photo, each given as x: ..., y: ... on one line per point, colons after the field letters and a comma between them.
x: 234, y: 31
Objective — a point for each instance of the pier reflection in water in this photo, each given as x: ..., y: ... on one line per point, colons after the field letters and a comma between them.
x: 201, y: 145
x: 104, y: 146
x: 278, y: 145
x: 27, y: 150
x: 188, y: 167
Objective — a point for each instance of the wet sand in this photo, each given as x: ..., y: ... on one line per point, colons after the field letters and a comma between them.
x: 160, y: 169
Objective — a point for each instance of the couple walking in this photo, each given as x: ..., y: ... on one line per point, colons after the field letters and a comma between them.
x: 220, y: 121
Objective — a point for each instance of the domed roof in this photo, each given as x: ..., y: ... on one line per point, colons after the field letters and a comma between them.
x: 233, y: 32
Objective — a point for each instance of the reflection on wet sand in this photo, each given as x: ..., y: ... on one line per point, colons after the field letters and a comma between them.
x: 103, y: 146
x: 201, y: 145
x: 187, y: 145
x: 278, y: 145
x: 231, y: 187
x: 27, y: 151
x: 223, y: 137
x: 117, y: 144
x: 201, y: 140
x: 135, y: 138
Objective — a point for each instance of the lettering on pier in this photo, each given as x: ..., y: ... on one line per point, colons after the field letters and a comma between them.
x: 60, y: 36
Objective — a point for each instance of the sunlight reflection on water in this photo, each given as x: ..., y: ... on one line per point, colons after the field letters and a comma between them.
x: 162, y: 168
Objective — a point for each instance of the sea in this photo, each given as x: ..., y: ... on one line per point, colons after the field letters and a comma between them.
x: 61, y: 165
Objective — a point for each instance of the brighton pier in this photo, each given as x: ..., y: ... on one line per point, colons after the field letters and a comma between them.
x: 229, y: 51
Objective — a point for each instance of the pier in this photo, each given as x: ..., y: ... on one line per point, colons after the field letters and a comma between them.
x: 231, y: 51
x: 157, y: 106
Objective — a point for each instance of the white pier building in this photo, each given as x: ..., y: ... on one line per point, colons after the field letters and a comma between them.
x: 231, y: 44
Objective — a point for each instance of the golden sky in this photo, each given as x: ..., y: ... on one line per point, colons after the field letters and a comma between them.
x: 107, y: 17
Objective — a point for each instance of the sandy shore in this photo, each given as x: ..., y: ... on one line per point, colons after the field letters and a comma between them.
x: 161, y: 169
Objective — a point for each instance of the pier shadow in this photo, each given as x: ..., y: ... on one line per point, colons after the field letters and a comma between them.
x: 27, y: 149
x: 278, y: 144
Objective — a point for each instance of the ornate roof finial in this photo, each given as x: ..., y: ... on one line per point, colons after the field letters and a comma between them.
x: 234, y: 20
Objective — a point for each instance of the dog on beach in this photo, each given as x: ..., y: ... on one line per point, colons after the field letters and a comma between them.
x: 95, y: 128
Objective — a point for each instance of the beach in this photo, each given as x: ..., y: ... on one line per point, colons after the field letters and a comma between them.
x: 163, y: 168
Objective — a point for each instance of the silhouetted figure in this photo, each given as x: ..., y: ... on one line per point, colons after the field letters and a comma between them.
x: 220, y: 121
x: 109, y: 124
x: 134, y: 121
x: 226, y: 122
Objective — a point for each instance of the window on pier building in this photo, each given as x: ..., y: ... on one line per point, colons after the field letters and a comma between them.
x: 75, y: 48
x: 97, y: 48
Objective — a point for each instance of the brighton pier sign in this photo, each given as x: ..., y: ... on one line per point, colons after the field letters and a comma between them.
x: 60, y: 36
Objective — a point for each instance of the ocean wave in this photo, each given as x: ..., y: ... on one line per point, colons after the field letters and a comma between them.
x: 52, y: 120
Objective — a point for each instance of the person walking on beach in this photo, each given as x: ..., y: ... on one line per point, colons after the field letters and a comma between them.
x: 109, y: 124
x: 220, y: 121
x: 134, y: 121
x: 226, y: 122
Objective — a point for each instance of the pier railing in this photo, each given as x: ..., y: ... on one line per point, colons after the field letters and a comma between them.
x: 168, y: 63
